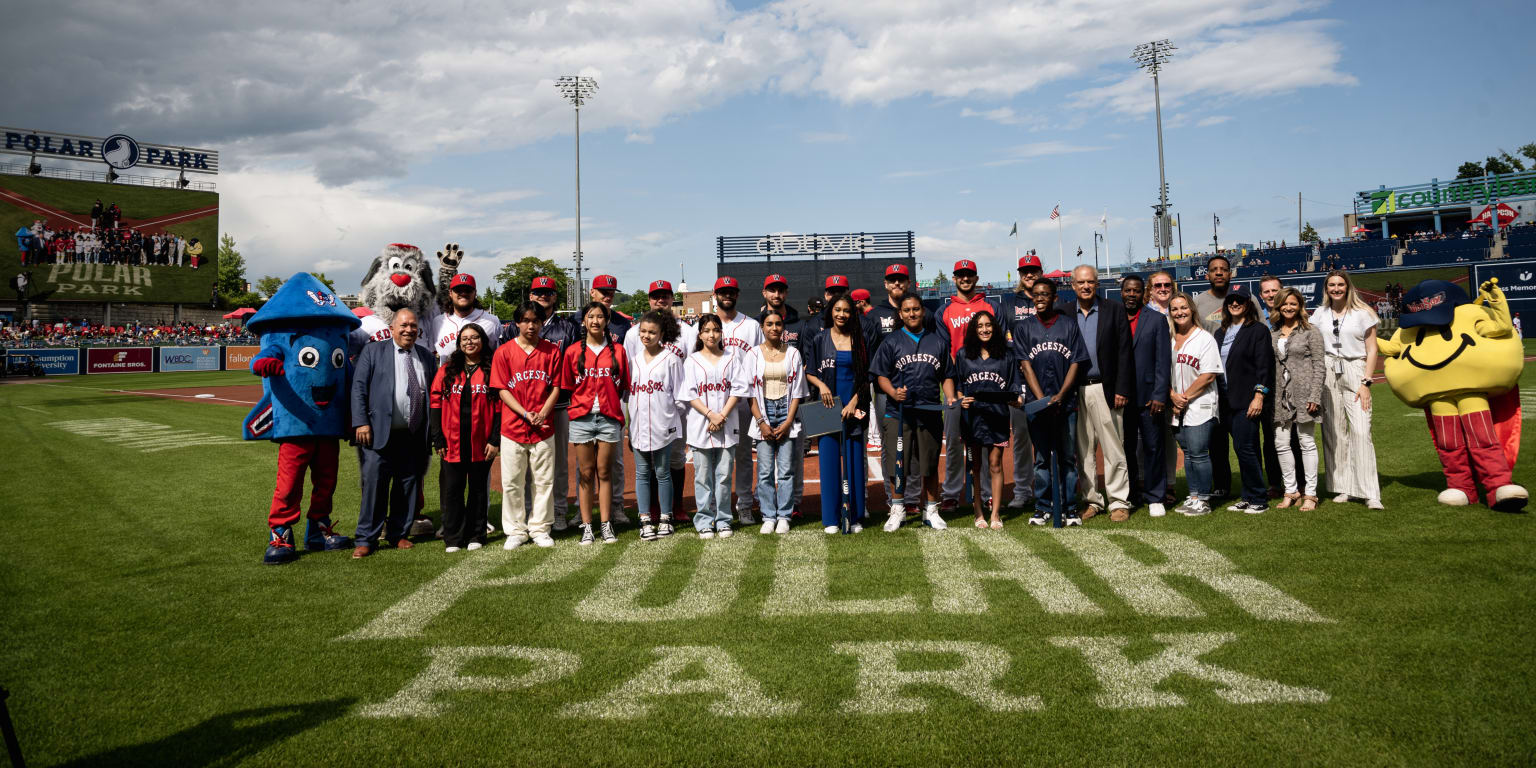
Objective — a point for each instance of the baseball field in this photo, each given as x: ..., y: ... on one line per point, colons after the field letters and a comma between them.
x: 139, y: 628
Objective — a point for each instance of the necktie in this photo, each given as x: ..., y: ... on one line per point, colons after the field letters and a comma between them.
x: 412, y: 393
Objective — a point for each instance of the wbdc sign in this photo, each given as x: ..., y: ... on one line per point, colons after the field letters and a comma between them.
x: 120, y: 151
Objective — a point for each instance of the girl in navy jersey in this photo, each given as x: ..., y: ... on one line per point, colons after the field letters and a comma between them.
x: 713, y: 384
x: 840, y: 371
x: 656, y: 377
x: 466, y: 434
x: 1051, y: 354
x: 910, y: 367
x: 596, y: 371
x: 985, y: 377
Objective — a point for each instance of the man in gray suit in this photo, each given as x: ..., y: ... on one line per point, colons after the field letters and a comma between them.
x: 389, y: 407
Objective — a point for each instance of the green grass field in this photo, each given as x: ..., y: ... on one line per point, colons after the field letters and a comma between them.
x: 139, y: 627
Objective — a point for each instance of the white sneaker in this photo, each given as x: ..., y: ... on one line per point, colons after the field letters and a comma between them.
x: 782, y: 526
x: 513, y: 542
x: 450, y: 550
x: 1374, y: 504
x: 559, y: 521
x: 893, y: 522
x: 831, y: 529
x: 1454, y: 498
x: 1156, y: 510
x: 706, y: 534
x: 544, y: 540
x: 767, y: 527
x: 931, y: 517
x: 855, y: 528
x: 1342, y: 498
x: 474, y: 545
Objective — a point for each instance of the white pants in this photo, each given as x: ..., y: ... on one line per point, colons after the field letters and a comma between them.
x: 1099, y: 426
x: 534, y: 463
x: 1348, y: 454
x: 561, y: 418
x: 1288, y: 458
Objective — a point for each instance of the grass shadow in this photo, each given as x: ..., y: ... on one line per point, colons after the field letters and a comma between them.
x: 224, y: 739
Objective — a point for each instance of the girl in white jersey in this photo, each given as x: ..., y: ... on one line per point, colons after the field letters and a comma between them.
x: 713, y: 383
x: 655, y: 418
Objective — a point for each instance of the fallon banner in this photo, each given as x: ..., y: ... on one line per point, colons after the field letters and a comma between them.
x: 119, y: 360
x: 238, y: 358
x: 189, y: 359
x: 54, y: 362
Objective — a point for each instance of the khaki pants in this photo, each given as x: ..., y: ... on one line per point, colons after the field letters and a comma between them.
x: 1348, y: 454
x: 1099, y: 425
x: 537, y: 460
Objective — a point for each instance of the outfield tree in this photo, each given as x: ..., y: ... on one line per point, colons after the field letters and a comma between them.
x: 633, y: 304
x: 516, y: 277
x: 329, y: 283
x: 230, y: 286
x: 1309, y: 234
x: 940, y: 279
x: 1511, y: 160
x: 268, y: 285
x: 1469, y: 170
x: 1497, y: 165
x: 1529, y: 151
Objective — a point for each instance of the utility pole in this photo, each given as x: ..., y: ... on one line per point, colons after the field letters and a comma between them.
x: 577, y: 90
x: 1178, y: 221
x: 1215, y: 240
x: 1151, y: 56
x: 1298, y: 217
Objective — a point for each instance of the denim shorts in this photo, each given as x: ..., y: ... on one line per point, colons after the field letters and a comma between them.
x: 595, y: 427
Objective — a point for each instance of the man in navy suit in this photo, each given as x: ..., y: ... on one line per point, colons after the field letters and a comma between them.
x: 1152, y: 350
x: 389, y: 409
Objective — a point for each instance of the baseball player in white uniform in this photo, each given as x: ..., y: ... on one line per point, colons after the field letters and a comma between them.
x: 444, y: 333
x: 742, y: 334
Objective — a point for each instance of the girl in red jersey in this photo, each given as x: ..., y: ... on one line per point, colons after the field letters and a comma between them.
x: 596, y: 371
x: 466, y: 434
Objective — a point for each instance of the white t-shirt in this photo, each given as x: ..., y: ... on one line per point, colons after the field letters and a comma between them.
x: 687, y: 337
x: 655, y: 415
x: 1199, y: 355
x: 1354, y: 324
x: 445, y: 332
x: 714, y: 384
x: 743, y: 334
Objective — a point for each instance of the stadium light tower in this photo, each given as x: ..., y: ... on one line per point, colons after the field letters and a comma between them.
x: 1151, y: 57
x: 577, y: 90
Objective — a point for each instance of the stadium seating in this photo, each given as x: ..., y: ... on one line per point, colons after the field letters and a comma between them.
x: 1521, y: 242
x: 1448, y: 251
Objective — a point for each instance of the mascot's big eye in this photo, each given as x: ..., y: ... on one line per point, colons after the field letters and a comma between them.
x: 338, y: 358
x: 309, y: 357
x: 394, y: 263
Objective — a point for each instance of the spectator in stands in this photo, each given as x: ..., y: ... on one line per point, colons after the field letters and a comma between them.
x: 1348, y: 326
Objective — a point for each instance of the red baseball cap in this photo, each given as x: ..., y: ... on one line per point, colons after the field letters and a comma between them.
x: 775, y: 280
x: 543, y: 283
x: 727, y: 282
x: 605, y: 282
x: 837, y: 281
x: 859, y: 294
x: 898, y: 269
x: 964, y: 265
x: 1030, y: 260
x: 462, y: 279
x: 660, y: 285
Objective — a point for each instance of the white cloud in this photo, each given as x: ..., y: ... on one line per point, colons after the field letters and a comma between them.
x: 817, y: 137
x: 1006, y: 116
x: 1206, y: 122
x: 1023, y: 152
x: 638, y: 138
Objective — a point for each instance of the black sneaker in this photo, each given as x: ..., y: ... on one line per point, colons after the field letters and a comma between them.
x: 664, y: 528
x: 647, y: 532
x: 586, y: 534
x: 1254, y: 509
x: 1070, y: 519
x: 608, y: 537
x: 1039, y: 518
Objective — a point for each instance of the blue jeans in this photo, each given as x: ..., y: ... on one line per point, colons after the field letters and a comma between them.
x: 1245, y: 442
x: 712, y: 486
x: 776, y: 466
x: 1196, y: 442
x: 653, y: 471
x: 1051, y: 434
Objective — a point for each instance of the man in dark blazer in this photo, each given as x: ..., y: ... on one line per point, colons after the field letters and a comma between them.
x: 1152, y: 351
x: 1107, y: 387
x: 389, y: 410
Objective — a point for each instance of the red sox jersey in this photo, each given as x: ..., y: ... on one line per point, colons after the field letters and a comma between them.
x: 687, y: 337
x: 714, y: 383
x: 655, y: 415
x: 445, y: 332
x: 741, y: 335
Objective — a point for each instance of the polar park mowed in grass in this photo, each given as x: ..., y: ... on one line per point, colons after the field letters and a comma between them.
x: 139, y: 627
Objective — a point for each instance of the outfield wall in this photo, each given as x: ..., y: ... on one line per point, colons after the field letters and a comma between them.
x: 71, y: 361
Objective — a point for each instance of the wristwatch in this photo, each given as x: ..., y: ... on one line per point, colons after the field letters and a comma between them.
x: 1366, y: 382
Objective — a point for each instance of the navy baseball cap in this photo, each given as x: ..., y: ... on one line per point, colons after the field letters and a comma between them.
x: 1432, y: 302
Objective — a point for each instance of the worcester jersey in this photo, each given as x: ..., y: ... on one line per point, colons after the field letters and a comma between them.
x: 921, y: 366
x: 741, y: 335
x: 987, y: 422
x: 714, y: 383
x: 1050, y: 351
x: 656, y: 416
x: 445, y: 332
x: 885, y: 320
x: 687, y: 337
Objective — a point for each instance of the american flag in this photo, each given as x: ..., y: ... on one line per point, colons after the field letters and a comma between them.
x: 1056, y: 213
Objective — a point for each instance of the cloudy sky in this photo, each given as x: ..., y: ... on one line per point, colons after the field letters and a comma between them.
x: 347, y: 125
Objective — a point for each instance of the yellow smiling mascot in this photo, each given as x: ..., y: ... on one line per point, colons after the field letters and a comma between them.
x: 1460, y: 361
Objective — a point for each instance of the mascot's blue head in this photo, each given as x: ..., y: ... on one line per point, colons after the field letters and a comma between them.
x: 305, y: 327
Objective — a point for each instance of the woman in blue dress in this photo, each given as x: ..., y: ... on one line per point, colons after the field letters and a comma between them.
x: 839, y: 371
x: 985, y: 378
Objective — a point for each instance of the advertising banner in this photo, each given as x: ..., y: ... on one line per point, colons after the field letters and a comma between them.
x: 238, y: 358
x: 119, y: 360
x: 189, y: 359
x: 54, y: 362
x: 1518, y: 281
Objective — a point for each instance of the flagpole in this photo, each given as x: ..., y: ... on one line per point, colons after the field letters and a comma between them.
x: 1061, y: 255
x: 1109, y: 257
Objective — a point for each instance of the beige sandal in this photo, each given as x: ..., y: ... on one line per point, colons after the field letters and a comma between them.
x: 1289, y: 501
x: 1308, y: 503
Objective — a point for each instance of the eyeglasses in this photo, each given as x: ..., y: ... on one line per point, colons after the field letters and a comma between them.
x: 1158, y: 286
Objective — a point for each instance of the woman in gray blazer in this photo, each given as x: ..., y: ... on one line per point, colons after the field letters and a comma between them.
x: 1299, y: 370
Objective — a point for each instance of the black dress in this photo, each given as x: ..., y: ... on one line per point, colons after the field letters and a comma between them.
x: 986, y: 422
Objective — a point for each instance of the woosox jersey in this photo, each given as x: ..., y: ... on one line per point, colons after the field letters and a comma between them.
x: 741, y: 335
x: 445, y: 332
x: 714, y: 384
x: 687, y: 337
x: 655, y: 415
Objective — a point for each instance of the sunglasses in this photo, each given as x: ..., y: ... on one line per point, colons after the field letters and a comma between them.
x: 1158, y: 286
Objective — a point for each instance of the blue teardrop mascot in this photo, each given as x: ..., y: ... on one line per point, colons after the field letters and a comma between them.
x: 304, y: 370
